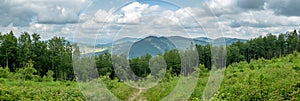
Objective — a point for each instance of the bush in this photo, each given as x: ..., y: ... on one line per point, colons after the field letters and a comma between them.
x: 37, y: 78
x: 26, y: 73
x: 4, y: 72
x: 49, y: 76
x: 297, y: 68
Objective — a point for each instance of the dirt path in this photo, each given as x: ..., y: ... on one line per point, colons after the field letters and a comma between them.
x: 136, y: 94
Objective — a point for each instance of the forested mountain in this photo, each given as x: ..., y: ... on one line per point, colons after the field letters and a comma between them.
x: 154, y: 45
x: 150, y: 45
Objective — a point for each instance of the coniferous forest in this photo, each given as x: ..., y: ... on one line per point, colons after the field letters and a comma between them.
x: 263, y: 68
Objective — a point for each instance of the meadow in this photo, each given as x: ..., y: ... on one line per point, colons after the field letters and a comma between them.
x: 275, y: 79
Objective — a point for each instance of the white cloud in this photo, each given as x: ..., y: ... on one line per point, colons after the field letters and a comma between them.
x: 24, y: 12
x: 104, y: 16
x: 132, y: 12
x: 221, y: 7
x: 234, y: 18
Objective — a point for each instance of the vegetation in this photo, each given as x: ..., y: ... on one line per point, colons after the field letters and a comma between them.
x: 264, y: 68
x: 12, y: 90
x: 266, y: 47
x: 54, y: 54
x: 15, y: 86
x: 275, y: 79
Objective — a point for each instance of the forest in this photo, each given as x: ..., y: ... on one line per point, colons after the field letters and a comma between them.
x: 49, y: 63
x: 55, y: 55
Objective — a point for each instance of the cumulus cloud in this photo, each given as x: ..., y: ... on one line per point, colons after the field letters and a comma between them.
x: 253, y: 20
x: 11, y: 12
x: 133, y: 12
x: 280, y: 7
x: 284, y: 7
x: 25, y: 12
x: 251, y: 4
x: 243, y: 18
x: 104, y: 16
x: 234, y: 18
x: 223, y: 7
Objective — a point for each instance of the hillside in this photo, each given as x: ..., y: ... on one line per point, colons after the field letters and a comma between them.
x: 150, y: 45
x: 276, y: 79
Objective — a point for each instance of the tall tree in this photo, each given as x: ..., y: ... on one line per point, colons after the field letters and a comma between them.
x: 8, y: 51
x: 24, y: 49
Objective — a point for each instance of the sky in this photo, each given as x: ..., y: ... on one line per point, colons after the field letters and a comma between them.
x: 103, y: 21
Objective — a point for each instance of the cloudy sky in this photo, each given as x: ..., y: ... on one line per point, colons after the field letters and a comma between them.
x: 107, y: 20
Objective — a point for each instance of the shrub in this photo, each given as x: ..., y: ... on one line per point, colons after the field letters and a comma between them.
x: 297, y: 68
x: 26, y: 73
x: 37, y: 78
x: 251, y: 66
x: 4, y: 72
x: 49, y: 76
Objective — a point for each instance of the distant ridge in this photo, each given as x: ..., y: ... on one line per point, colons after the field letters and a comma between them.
x: 155, y: 45
x: 151, y: 45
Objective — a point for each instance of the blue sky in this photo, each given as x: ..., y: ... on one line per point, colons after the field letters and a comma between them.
x: 106, y: 20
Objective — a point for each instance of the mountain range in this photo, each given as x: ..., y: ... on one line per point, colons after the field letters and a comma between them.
x: 153, y: 45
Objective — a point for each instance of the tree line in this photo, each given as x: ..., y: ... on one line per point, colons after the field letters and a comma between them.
x: 56, y: 54
x: 267, y: 47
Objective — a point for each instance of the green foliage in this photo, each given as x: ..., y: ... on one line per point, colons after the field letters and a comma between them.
x: 58, y: 90
x: 250, y: 74
x: 259, y: 80
x: 265, y: 80
x: 49, y: 76
x: 30, y: 90
x: 140, y: 66
x: 274, y: 79
x: 26, y: 73
x: 54, y: 54
x: 4, y: 72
